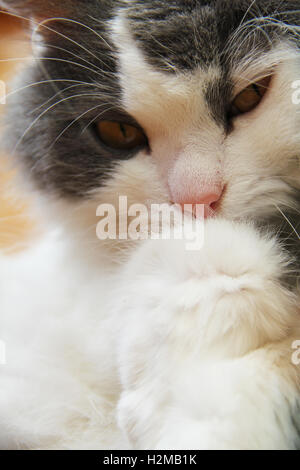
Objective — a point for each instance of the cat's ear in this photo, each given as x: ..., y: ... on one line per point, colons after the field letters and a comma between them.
x: 37, y: 9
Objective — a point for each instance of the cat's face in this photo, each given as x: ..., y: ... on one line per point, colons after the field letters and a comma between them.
x: 164, y: 101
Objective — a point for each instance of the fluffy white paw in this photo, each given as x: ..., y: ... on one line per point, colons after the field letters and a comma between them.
x: 229, y: 290
x: 183, y: 312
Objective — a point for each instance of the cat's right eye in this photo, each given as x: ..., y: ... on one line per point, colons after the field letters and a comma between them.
x: 250, y: 97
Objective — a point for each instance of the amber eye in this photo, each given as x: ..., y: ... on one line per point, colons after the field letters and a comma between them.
x: 120, y: 136
x: 250, y: 98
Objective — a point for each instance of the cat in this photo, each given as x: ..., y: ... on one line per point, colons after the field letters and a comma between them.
x: 144, y: 344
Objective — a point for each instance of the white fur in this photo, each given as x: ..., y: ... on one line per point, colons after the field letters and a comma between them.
x: 205, y: 367
x: 193, y: 351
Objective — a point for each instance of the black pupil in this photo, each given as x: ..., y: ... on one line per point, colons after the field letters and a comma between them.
x: 257, y: 90
x: 123, y: 130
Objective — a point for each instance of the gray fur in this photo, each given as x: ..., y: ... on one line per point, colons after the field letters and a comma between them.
x: 75, y: 164
x: 189, y: 33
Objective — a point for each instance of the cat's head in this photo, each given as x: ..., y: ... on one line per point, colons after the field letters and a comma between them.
x: 184, y: 101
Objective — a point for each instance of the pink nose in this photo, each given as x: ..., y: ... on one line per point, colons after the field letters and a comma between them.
x: 207, y: 198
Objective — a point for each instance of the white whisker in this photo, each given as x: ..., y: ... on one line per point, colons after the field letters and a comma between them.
x: 43, y: 23
x: 41, y: 83
x: 61, y: 92
x: 95, y: 119
x: 71, y: 53
x: 102, y: 74
x: 76, y: 120
x: 288, y: 221
x: 46, y: 111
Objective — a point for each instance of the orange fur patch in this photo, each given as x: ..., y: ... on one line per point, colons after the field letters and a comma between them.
x: 16, y: 226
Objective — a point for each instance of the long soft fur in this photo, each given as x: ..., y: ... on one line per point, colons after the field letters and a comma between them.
x: 118, y: 344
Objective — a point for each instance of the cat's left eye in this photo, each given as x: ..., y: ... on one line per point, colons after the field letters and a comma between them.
x: 121, y: 136
x: 250, y: 97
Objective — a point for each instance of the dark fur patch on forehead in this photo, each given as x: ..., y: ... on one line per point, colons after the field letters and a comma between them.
x: 183, y: 34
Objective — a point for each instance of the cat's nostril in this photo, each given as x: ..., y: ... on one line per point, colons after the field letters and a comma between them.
x: 209, y: 199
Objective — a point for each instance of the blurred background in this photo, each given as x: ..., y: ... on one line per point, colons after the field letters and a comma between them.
x: 16, y: 226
